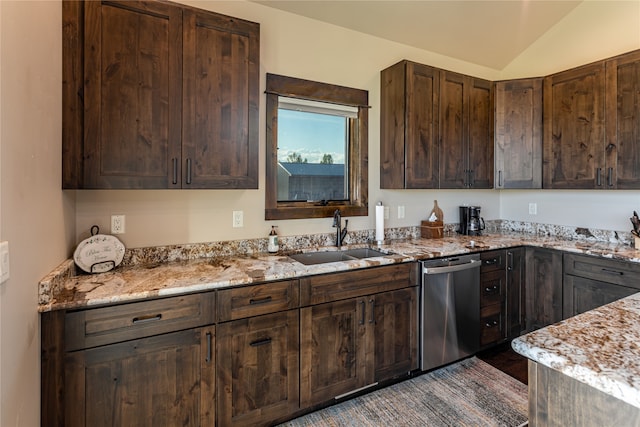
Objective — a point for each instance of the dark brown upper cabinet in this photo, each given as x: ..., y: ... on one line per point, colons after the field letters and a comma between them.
x: 573, y: 120
x: 409, y: 126
x: 518, y: 133
x: 622, y: 109
x: 436, y: 129
x: 592, y: 131
x: 466, y: 131
x: 158, y: 95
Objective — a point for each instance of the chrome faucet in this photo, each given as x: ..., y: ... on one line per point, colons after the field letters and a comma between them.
x: 337, y: 223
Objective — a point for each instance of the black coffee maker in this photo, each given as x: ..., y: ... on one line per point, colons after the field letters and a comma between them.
x: 471, y: 223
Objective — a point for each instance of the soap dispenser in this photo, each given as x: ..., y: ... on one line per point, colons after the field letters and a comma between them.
x: 273, y: 246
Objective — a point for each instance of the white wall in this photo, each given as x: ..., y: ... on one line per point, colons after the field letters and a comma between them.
x: 35, y: 217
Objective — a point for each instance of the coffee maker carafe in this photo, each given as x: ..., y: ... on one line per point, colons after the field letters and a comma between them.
x: 471, y: 223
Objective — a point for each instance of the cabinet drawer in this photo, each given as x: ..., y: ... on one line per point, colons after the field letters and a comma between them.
x: 106, y: 325
x: 604, y: 270
x: 492, y: 288
x: 492, y: 261
x: 491, y: 324
x: 238, y: 303
x: 352, y: 284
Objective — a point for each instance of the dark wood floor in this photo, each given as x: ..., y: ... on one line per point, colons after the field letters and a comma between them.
x: 504, y: 358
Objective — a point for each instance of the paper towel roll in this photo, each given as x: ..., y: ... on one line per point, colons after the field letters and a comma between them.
x: 379, y: 222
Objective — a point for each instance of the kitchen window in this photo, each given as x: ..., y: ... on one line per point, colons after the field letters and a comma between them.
x: 316, y: 149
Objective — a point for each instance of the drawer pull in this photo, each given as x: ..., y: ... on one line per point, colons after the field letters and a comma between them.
x: 491, y: 324
x: 208, y: 357
x: 490, y: 261
x: 373, y: 309
x: 146, y: 319
x: 260, y: 300
x: 492, y: 289
x: 258, y: 343
x: 617, y: 273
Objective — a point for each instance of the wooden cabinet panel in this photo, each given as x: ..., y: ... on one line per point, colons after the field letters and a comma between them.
x: 220, y: 122
x: 515, y: 316
x: 409, y: 126
x: 255, y: 300
x: 158, y: 381
x: 258, y: 369
x: 336, y: 286
x: 574, y: 128
x: 581, y: 294
x: 395, y: 317
x: 481, y: 125
x: 544, y: 287
x: 454, y: 128
x: 334, y: 344
x: 518, y: 134
x: 158, y: 95
x: 590, y: 282
x: 466, y: 131
x: 108, y: 325
x: 622, y: 121
x: 132, y: 93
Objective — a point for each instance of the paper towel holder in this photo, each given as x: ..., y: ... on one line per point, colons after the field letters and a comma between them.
x: 379, y: 224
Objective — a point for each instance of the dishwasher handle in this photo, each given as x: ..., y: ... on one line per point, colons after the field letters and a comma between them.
x: 451, y: 268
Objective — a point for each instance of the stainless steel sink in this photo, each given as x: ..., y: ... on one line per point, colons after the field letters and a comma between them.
x: 364, y: 253
x: 322, y: 257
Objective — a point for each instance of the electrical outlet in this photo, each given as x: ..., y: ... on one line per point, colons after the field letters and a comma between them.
x: 238, y: 219
x: 386, y: 212
x: 4, y: 262
x: 400, y: 212
x: 117, y: 224
x: 533, y: 209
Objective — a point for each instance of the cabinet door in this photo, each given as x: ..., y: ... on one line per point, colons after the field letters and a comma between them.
x: 574, y: 128
x: 421, y: 145
x: 581, y: 294
x: 544, y: 287
x: 409, y: 126
x: 480, y: 137
x: 132, y: 94
x: 165, y: 380
x: 454, y: 130
x: 333, y: 350
x: 518, y: 134
x: 622, y: 123
x: 258, y: 369
x: 395, y: 318
x: 515, y: 298
x: 220, y: 110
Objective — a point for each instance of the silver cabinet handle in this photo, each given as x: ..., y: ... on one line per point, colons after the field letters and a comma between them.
x: 188, y: 171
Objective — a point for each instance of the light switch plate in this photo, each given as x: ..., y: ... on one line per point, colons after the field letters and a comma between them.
x: 4, y: 261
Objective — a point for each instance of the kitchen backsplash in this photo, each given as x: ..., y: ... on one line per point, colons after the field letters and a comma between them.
x: 289, y: 244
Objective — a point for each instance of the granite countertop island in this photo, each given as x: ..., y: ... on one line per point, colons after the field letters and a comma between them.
x: 180, y: 269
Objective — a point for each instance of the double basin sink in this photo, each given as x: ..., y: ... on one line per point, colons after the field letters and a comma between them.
x: 322, y: 257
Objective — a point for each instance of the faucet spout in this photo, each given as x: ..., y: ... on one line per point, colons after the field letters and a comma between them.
x: 337, y: 223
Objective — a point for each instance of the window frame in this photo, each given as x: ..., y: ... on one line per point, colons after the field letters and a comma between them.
x: 292, y: 87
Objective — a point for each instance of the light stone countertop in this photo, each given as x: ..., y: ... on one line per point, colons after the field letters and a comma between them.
x: 163, y: 271
x: 600, y: 347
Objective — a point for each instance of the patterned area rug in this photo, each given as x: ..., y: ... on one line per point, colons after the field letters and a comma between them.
x: 467, y: 393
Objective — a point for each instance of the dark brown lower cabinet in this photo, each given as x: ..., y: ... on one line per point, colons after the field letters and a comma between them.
x: 258, y: 369
x: 164, y: 380
x: 590, y: 282
x: 544, y: 287
x: 502, y: 288
x: 351, y: 344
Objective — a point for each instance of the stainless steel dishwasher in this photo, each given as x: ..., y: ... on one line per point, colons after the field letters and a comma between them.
x: 450, y: 310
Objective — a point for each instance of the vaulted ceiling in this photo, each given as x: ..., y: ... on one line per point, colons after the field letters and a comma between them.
x: 487, y: 33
